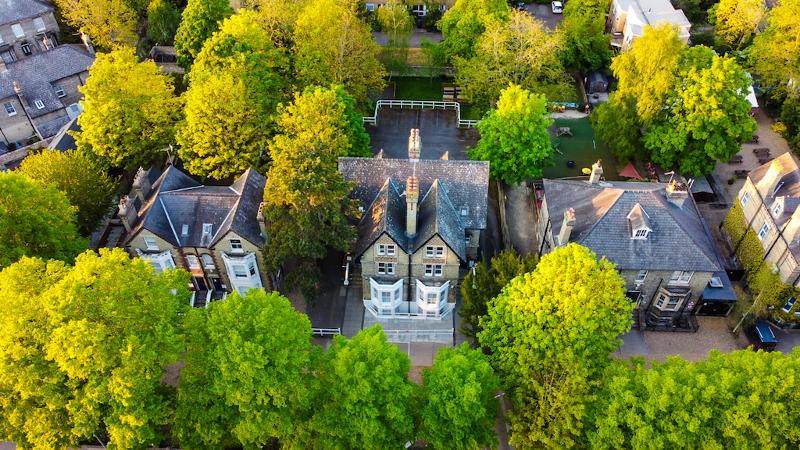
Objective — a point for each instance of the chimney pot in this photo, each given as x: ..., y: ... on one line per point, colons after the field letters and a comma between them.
x: 414, y: 145
x: 597, y: 171
x: 127, y: 213
x: 262, y: 222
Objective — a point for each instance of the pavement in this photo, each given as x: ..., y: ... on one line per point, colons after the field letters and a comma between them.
x: 520, y: 219
x: 438, y: 131
x: 544, y: 14
x: 788, y: 340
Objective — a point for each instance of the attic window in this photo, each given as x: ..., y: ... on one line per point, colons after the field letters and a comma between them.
x: 39, y: 104
x: 205, y: 239
x: 464, y: 211
x: 639, y: 222
x: 776, y: 210
x: 185, y: 230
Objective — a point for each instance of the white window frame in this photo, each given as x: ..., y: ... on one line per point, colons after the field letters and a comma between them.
x: 39, y: 104
x: 247, y: 262
x: 434, y: 270
x: 391, y: 250
x: 160, y: 261
x: 10, y: 109
x: 762, y: 233
x: 434, y: 251
x: 239, y: 270
x: 60, y: 92
x: 668, y: 302
x: 192, y: 261
x: 370, y: 7
x: 776, y: 210
x: 641, y: 233
x: 640, y: 277
x: 423, y: 295
x: 385, y: 268
x: 150, y: 243
x: 18, y: 31
x: 236, y: 246
x: 208, y: 261
x: 395, y: 291
x: 385, y: 250
x: 38, y: 22
x: 745, y: 198
x: 682, y: 277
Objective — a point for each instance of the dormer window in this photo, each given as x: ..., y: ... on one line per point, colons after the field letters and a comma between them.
x: 777, y: 208
x: 205, y: 238
x: 639, y: 222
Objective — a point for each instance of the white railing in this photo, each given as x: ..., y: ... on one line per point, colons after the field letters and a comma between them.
x: 322, y: 332
x: 443, y: 312
x: 191, y: 302
x: 208, y: 298
x: 419, y: 104
x: 444, y: 336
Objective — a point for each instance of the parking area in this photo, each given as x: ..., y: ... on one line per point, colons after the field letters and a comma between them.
x: 544, y: 13
x: 438, y: 132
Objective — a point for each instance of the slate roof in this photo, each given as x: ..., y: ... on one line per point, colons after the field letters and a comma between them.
x: 63, y: 140
x: 16, y: 10
x: 446, y: 187
x: 177, y: 200
x: 788, y: 191
x: 37, y: 73
x: 679, y: 239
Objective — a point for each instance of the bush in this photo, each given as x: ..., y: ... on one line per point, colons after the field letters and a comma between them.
x: 703, y: 38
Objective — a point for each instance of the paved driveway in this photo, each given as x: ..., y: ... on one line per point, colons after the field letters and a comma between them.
x: 544, y: 14
x: 713, y: 334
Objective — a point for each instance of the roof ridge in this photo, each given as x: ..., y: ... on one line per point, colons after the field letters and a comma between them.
x: 688, y: 233
x: 605, y: 214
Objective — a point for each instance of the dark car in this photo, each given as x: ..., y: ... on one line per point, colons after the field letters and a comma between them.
x: 762, y: 337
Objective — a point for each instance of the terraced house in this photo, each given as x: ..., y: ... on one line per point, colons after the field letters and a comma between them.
x: 214, y: 232
x: 421, y: 226
x: 652, y: 232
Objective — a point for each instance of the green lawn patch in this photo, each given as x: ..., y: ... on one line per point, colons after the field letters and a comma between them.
x: 417, y: 88
x: 582, y: 147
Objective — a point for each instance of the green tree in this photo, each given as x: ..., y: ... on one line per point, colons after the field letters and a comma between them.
x: 83, y: 349
x: 709, y: 118
x: 673, y: 404
x: 365, y: 399
x: 460, y: 405
x: 87, y: 187
x: 163, y: 19
x: 483, y: 284
x: 199, y: 21
x: 464, y: 23
x: 550, y: 333
x: 129, y: 110
x: 617, y: 125
x: 395, y: 20
x: 246, y: 371
x: 586, y: 45
x: 775, y: 55
x: 518, y: 51
x: 236, y: 83
x: 306, y: 198
x: 646, y: 71
x: 36, y: 220
x: 736, y: 21
x: 514, y: 136
x: 334, y: 46
x: 110, y: 23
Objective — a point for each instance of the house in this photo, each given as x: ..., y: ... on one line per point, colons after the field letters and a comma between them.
x: 214, y: 232
x: 39, y: 94
x: 27, y: 27
x: 652, y: 232
x: 420, y: 229
x: 627, y: 20
x: 417, y: 9
x: 769, y: 200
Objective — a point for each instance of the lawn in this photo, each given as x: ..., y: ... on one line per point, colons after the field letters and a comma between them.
x: 583, y: 148
x: 417, y: 88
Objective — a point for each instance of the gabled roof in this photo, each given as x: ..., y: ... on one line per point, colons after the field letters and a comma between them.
x: 437, y: 216
x: 178, y: 202
x: 386, y: 214
x: 679, y: 239
x: 37, y: 73
x: 16, y: 10
x: 63, y: 140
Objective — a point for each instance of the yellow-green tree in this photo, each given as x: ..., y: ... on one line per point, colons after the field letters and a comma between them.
x: 396, y: 21
x: 87, y: 187
x: 464, y: 23
x: 334, y: 46
x: 83, y: 350
x: 129, y: 110
x: 109, y: 23
x: 736, y: 21
x: 35, y: 220
x: 235, y: 86
x: 551, y: 333
x: 776, y: 51
x: 199, y: 20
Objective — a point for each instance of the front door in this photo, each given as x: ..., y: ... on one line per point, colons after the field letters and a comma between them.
x: 217, y: 284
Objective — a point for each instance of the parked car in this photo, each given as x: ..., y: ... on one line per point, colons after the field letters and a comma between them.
x: 762, y: 337
x: 557, y: 7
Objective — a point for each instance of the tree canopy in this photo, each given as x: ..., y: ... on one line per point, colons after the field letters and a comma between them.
x: 334, y: 46
x: 36, y: 220
x: 586, y: 45
x: 617, y: 125
x: 550, y: 333
x: 395, y: 19
x: 743, y: 399
x: 736, y: 21
x: 484, y: 283
x: 163, y: 19
x: 460, y: 405
x: 199, y: 20
x: 245, y: 376
x: 129, y: 110
x: 306, y: 198
x: 365, y: 399
x: 514, y: 136
x: 83, y: 349
x: 464, y: 23
x: 236, y: 84
x: 87, y: 187
x: 110, y: 23
x: 518, y: 51
x: 775, y: 54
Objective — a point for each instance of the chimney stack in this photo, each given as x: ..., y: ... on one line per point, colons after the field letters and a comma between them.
x: 677, y: 192
x: 597, y: 171
x: 262, y: 222
x: 412, y: 196
x: 414, y: 145
x: 141, y: 185
x: 792, y: 229
x: 87, y: 42
x: 769, y: 182
x: 566, y: 227
x: 127, y: 213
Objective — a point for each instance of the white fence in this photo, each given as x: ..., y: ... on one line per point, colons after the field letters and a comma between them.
x: 443, y: 336
x: 420, y: 104
x: 322, y: 332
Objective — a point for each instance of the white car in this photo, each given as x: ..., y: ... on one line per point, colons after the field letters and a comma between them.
x: 557, y: 7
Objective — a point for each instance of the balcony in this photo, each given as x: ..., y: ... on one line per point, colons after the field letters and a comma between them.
x: 410, y: 310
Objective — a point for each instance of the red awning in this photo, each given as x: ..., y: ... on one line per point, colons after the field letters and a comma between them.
x: 630, y: 172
